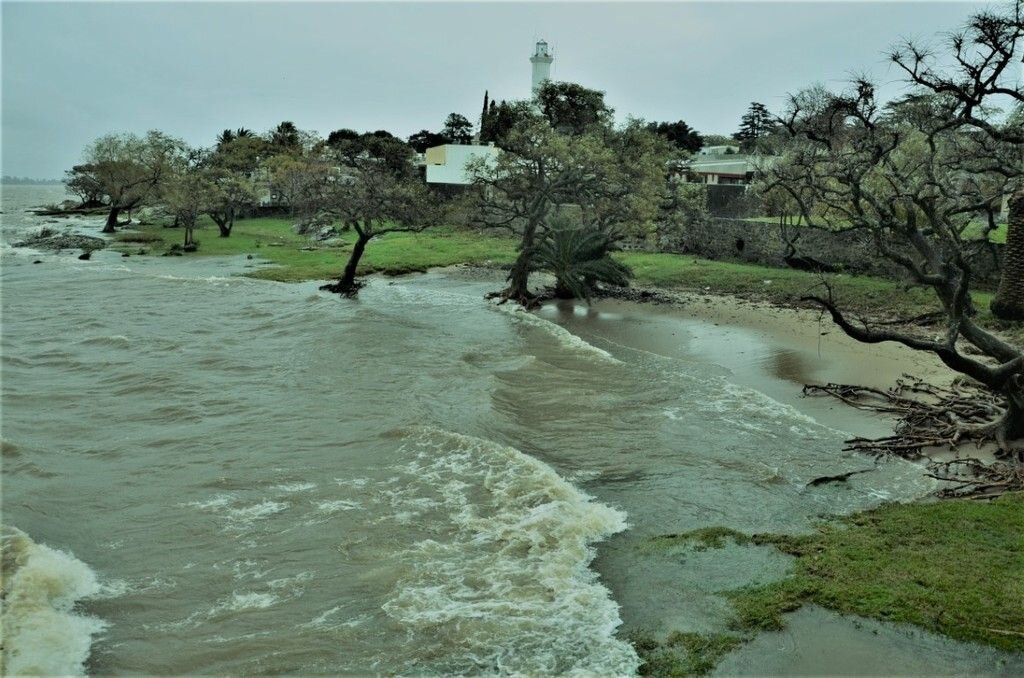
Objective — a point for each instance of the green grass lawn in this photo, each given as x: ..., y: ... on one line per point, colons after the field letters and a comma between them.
x: 297, y: 258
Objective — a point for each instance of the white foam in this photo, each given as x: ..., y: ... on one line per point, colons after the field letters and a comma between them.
x: 562, y: 335
x: 43, y: 632
x: 506, y: 586
x: 333, y: 506
x: 295, y: 487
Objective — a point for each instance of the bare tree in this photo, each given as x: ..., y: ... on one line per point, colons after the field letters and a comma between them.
x: 984, y: 57
x: 913, y: 181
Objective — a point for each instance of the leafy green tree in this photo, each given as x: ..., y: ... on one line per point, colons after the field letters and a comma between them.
x: 424, y: 139
x: 483, y: 113
x: 242, y: 153
x: 502, y: 118
x: 755, y: 124
x: 911, y: 180
x: 126, y: 170
x: 679, y: 134
x: 341, y: 135
x: 458, y: 129
x: 571, y: 108
x: 612, y: 178
x: 683, y: 206
x: 369, y: 187
x: 229, y: 193
x: 187, y: 193
x: 285, y: 138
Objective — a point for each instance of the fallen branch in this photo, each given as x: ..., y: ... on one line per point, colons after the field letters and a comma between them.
x: 930, y: 417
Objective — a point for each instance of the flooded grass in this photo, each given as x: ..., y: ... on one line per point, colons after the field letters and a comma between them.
x: 684, y: 654
x: 950, y: 567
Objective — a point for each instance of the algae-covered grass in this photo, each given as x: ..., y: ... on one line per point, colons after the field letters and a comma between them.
x: 952, y: 567
x: 684, y: 654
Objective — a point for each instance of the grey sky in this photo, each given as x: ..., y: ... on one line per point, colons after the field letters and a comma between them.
x: 74, y: 71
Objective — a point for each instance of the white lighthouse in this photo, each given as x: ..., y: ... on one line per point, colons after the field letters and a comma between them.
x: 541, y: 60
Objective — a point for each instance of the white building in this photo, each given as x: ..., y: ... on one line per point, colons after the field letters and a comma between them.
x: 447, y: 164
x: 542, y: 57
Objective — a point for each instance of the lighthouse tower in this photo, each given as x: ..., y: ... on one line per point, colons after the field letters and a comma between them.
x: 541, y: 60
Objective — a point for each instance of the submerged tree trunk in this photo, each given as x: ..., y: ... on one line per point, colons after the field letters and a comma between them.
x: 1008, y: 303
x: 115, y: 211
x: 347, y: 284
x: 519, y: 276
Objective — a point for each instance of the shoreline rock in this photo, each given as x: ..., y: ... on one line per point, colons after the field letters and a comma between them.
x: 49, y: 240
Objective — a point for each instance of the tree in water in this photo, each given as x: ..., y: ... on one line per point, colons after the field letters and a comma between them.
x: 368, y: 186
x: 125, y: 170
x: 613, y: 178
x: 578, y: 257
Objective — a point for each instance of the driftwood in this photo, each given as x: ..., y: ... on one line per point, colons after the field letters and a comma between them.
x: 930, y: 417
x: 839, y: 478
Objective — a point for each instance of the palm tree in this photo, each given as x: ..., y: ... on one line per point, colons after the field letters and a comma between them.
x: 1008, y: 302
x: 225, y: 138
x: 243, y: 133
x: 579, y: 257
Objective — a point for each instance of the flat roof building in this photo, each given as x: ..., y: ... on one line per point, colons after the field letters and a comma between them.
x: 447, y: 164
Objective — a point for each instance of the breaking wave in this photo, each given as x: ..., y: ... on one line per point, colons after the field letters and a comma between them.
x: 507, y: 580
x: 562, y: 335
x: 43, y: 633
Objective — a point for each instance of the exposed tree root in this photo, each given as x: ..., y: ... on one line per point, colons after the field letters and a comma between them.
x: 930, y: 416
x: 525, y: 299
x: 343, y: 288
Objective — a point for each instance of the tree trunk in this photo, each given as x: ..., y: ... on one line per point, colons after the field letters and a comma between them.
x: 1008, y: 302
x: 111, y: 219
x: 347, y: 284
x: 563, y: 292
x: 190, y: 243
x: 519, y: 276
x: 1012, y: 425
x: 225, y: 224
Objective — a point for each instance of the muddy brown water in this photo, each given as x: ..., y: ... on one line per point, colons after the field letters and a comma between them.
x: 222, y: 475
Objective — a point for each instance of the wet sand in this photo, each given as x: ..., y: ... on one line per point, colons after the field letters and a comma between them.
x: 773, y: 350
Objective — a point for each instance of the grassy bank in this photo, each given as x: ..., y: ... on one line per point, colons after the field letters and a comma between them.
x: 296, y: 258
x: 950, y: 567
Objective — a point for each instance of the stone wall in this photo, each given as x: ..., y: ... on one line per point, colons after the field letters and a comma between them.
x: 846, y: 251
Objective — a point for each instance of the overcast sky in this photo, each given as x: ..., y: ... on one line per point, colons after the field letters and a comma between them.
x: 74, y: 71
